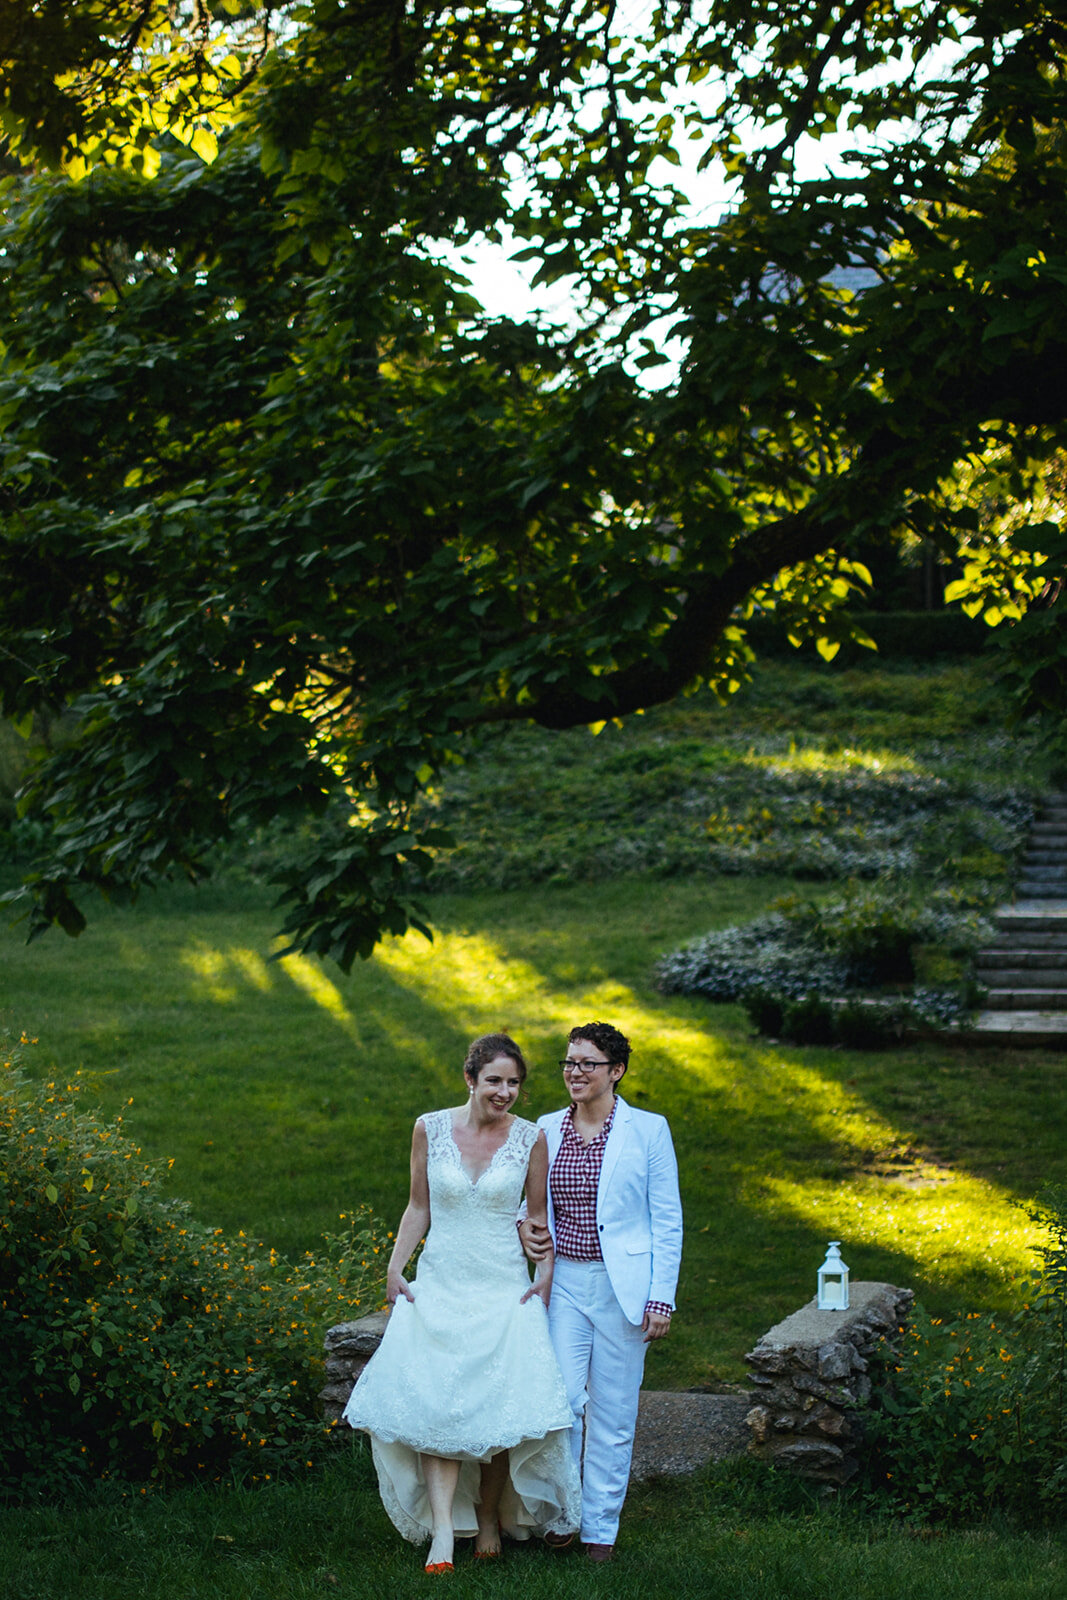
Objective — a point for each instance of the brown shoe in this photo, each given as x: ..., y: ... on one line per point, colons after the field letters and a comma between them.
x: 599, y: 1552
x: 559, y: 1541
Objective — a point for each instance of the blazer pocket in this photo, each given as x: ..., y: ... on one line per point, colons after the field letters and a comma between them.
x: 641, y: 1247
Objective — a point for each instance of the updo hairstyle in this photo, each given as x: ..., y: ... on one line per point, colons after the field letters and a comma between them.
x: 486, y: 1049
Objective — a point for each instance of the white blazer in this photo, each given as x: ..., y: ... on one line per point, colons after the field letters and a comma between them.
x: 638, y: 1207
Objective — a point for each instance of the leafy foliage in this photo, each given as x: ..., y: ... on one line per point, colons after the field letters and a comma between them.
x: 973, y: 1418
x: 98, y: 80
x: 790, y: 967
x: 141, y: 1344
x: 287, y: 519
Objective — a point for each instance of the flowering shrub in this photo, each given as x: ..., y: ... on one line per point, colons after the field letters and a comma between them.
x: 138, y: 1343
x: 972, y: 1416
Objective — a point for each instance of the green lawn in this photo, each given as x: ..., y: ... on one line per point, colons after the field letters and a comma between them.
x: 285, y: 1093
x: 719, y: 1535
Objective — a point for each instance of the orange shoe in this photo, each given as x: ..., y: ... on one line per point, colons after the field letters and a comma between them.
x: 438, y: 1566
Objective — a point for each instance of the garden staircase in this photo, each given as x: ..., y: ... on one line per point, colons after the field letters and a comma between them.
x: 1024, y: 974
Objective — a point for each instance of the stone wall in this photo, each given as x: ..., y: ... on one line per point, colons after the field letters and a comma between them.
x: 811, y: 1373
x: 349, y: 1346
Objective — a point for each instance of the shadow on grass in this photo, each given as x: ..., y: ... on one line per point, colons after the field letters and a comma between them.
x: 286, y: 1093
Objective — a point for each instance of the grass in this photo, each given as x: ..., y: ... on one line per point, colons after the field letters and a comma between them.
x: 284, y: 1093
x: 726, y: 1534
x: 810, y: 770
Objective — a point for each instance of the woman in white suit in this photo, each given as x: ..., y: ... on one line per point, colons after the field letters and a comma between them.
x: 615, y: 1217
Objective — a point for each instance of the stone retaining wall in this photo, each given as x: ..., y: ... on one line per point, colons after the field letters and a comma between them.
x: 811, y: 1376
x: 349, y: 1346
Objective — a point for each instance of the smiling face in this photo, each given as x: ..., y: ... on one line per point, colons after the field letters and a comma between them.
x: 588, y: 1074
x: 496, y: 1088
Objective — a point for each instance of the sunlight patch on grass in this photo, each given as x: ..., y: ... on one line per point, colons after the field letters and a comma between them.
x: 310, y: 977
x: 829, y: 1108
x: 475, y: 982
x: 214, y: 971
x: 952, y: 1225
x: 814, y: 758
x: 252, y: 965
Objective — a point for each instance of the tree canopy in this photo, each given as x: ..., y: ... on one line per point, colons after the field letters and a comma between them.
x: 288, y: 518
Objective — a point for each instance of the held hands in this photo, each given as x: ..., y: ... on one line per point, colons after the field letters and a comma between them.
x: 536, y: 1240
x: 395, y: 1286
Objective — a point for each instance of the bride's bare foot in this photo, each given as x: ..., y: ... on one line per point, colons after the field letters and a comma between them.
x: 440, y: 1553
x: 487, y: 1542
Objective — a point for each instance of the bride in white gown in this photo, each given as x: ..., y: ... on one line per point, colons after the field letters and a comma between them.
x: 464, y: 1401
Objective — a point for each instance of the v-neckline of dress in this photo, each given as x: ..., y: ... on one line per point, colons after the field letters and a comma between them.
x: 474, y: 1182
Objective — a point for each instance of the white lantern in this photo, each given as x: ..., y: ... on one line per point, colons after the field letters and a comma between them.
x: 833, y: 1280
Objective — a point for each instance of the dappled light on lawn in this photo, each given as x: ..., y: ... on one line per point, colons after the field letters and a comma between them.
x: 479, y: 985
x: 311, y: 978
x: 941, y: 1220
x: 223, y: 973
x: 948, y: 1223
x: 817, y: 758
x: 215, y: 971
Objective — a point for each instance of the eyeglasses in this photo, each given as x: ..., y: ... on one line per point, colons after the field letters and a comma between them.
x: 585, y: 1068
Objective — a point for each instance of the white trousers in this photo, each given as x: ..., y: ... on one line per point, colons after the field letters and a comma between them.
x: 602, y: 1357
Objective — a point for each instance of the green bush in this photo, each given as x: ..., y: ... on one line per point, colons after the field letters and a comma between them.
x: 875, y: 931
x: 138, y: 1343
x: 798, y: 969
x: 809, y: 1020
x: 971, y: 1417
x: 766, y: 1010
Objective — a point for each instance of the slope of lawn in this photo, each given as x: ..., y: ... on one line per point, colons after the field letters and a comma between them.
x: 284, y: 1092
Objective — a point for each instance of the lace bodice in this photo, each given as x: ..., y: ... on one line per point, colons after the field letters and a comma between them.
x: 472, y: 1223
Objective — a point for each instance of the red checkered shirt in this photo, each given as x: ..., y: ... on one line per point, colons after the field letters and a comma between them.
x: 574, y: 1178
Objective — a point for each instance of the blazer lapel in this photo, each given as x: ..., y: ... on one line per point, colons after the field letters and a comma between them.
x: 616, y: 1141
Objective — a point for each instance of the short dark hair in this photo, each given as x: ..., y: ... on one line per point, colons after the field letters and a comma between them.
x: 486, y: 1048
x: 606, y: 1037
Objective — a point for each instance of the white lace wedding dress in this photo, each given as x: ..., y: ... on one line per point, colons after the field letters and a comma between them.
x: 467, y: 1369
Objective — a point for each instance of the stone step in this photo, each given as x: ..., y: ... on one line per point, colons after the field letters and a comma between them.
x: 1039, y: 889
x: 1050, y: 857
x: 1046, y: 827
x: 1031, y: 999
x: 1024, y: 977
x: 1003, y: 956
x: 1038, y: 921
x: 1045, y: 871
x: 1023, y: 1029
